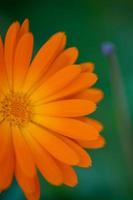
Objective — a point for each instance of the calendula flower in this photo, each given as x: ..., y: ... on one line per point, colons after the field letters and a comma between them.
x: 43, y: 109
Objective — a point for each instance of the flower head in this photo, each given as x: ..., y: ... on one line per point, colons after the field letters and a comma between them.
x: 43, y: 109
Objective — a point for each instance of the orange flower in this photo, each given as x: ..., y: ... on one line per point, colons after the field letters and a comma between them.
x: 43, y: 105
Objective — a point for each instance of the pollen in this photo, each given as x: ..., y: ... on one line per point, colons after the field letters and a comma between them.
x: 16, y: 109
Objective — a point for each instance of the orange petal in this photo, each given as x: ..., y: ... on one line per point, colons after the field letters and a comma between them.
x: 7, y: 171
x: 3, y: 75
x: 23, y: 154
x: 45, y: 56
x: 57, y: 82
x: 22, y: 59
x: 67, y: 57
x: 44, y: 161
x: 95, y: 94
x: 94, y: 123
x: 10, y: 44
x: 53, y: 144
x: 1, y: 59
x: 69, y: 175
x: 94, y: 144
x: 30, y: 185
x: 82, y: 82
x: 72, y: 128
x: 91, y: 94
x: 24, y: 28
x: 85, y: 159
x: 87, y: 67
x: 67, y: 108
x: 5, y: 137
x: 6, y: 157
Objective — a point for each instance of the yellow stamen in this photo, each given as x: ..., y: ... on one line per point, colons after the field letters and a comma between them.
x: 16, y: 109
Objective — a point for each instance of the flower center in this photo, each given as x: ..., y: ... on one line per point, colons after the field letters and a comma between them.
x: 16, y: 109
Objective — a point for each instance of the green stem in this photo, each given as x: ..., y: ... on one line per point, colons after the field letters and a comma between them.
x: 121, y: 106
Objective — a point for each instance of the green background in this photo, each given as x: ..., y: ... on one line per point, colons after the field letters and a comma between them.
x: 87, y: 23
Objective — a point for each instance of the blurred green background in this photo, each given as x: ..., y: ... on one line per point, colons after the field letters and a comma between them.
x: 88, y: 23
